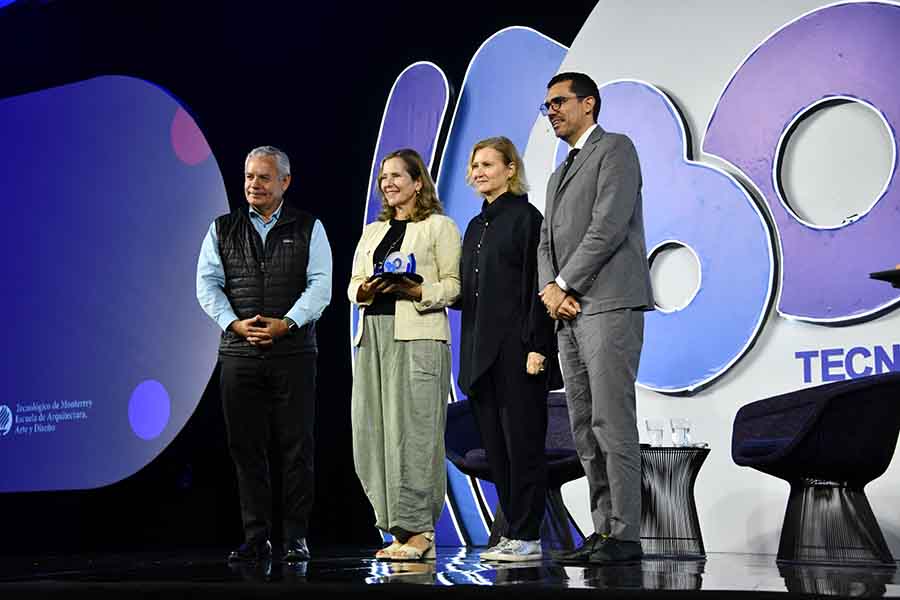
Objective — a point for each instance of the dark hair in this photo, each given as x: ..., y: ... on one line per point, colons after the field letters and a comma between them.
x: 581, y: 85
x: 427, y: 202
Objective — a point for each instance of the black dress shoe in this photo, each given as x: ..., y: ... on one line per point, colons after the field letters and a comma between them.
x: 295, y: 550
x: 259, y: 571
x: 581, y: 554
x: 612, y: 550
x: 252, y: 552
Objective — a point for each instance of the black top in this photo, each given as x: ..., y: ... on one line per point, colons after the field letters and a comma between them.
x: 499, y: 297
x: 384, y: 304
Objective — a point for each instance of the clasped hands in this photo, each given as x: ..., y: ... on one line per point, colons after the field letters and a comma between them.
x: 403, y: 288
x: 259, y: 330
x: 559, y: 304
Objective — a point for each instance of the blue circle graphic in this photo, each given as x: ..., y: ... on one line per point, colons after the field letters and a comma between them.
x: 149, y: 409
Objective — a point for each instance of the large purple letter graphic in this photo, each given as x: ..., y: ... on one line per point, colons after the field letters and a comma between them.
x: 844, y: 51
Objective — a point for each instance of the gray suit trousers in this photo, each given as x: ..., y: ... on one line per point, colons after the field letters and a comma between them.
x: 600, y: 355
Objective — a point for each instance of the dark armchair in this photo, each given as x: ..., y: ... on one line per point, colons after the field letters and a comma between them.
x: 827, y: 442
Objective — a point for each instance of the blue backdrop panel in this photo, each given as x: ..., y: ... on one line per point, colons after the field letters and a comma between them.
x: 109, y: 189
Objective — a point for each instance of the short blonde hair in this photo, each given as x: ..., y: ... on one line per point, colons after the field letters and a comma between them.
x: 427, y: 202
x: 517, y: 183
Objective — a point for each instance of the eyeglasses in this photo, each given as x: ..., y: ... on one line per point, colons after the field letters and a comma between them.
x: 556, y: 103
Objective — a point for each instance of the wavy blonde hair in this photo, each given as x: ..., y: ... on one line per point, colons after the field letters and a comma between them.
x: 517, y: 183
x: 427, y: 202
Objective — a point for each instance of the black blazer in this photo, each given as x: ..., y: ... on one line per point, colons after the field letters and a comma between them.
x: 499, y: 297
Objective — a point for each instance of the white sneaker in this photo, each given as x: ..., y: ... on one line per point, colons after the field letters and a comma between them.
x: 491, y: 553
x: 518, y: 551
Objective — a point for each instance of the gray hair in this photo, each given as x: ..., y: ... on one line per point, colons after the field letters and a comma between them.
x: 282, y: 163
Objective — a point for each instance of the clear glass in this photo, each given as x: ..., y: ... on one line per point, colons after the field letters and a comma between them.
x: 681, y: 432
x: 655, y: 429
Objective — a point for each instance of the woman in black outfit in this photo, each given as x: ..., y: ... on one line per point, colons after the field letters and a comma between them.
x: 508, y: 347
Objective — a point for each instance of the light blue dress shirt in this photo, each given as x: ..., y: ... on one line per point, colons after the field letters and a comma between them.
x: 307, y: 308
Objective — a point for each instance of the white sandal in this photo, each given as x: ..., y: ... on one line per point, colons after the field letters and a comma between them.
x: 385, y: 553
x: 407, y: 552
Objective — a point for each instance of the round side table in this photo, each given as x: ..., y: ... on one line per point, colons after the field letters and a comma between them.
x: 669, y: 524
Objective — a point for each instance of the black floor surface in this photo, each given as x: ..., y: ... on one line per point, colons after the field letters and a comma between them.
x: 458, y: 571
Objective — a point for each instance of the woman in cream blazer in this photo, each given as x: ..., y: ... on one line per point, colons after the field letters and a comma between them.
x: 401, y: 379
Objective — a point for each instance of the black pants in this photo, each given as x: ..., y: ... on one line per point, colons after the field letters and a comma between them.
x: 262, y: 397
x: 510, y: 408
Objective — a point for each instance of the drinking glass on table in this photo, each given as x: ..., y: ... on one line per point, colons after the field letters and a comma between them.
x: 681, y: 432
x: 655, y: 429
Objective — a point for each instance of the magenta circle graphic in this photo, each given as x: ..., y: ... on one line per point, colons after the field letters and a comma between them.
x: 187, y: 140
x: 148, y: 409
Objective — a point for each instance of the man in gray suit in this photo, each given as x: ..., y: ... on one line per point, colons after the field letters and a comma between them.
x: 592, y: 263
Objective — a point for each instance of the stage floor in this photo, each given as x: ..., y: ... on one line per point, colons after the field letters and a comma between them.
x: 349, y: 570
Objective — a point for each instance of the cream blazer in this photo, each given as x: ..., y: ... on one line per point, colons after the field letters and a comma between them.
x: 437, y: 246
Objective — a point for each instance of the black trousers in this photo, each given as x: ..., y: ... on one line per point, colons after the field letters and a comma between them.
x: 271, y: 397
x: 510, y: 408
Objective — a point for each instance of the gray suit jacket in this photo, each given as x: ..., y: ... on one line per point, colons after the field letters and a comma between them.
x: 593, y: 230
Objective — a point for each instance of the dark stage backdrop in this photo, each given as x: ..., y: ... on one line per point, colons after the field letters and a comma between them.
x: 310, y: 78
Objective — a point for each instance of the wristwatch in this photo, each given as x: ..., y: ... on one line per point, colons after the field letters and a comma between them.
x: 291, y: 324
